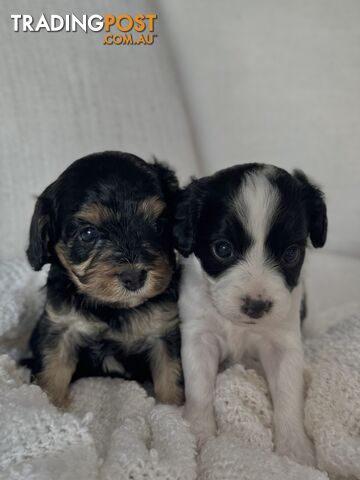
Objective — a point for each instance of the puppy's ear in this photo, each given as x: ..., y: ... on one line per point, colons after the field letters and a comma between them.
x: 316, y: 209
x: 41, y: 230
x: 187, y: 217
x: 169, y: 182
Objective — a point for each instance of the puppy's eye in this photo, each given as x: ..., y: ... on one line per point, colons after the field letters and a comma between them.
x: 291, y: 255
x: 223, y: 249
x: 88, y: 234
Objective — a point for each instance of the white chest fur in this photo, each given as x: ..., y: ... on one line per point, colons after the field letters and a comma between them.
x: 209, y: 339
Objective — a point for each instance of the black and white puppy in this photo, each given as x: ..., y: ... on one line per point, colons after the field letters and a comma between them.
x: 105, y: 226
x: 243, y: 234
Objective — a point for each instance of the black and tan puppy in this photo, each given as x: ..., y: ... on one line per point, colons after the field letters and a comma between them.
x: 105, y: 227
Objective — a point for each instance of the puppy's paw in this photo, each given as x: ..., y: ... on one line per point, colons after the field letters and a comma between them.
x: 202, y: 437
x: 61, y: 402
x: 300, y: 449
x: 59, y: 398
x: 202, y: 428
x: 173, y: 395
x: 56, y: 387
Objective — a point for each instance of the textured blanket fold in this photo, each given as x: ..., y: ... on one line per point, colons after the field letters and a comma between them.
x: 114, y: 430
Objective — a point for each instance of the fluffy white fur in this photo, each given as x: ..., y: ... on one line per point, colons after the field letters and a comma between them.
x: 214, y: 330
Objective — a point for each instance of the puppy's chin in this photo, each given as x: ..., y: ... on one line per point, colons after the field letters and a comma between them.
x: 122, y: 301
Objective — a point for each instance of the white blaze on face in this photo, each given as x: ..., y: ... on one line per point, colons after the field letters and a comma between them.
x: 255, y: 205
x: 253, y: 276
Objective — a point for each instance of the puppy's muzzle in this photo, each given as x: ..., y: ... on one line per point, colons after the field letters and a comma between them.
x: 133, y: 279
x: 255, y: 307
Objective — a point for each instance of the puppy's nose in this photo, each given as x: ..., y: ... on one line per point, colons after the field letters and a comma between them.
x: 255, y: 308
x: 133, y: 279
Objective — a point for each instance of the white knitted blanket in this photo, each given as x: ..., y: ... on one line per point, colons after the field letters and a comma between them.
x: 114, y: 430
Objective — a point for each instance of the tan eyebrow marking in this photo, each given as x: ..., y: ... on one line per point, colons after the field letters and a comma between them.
x: 94, y: 213
x: 151, y: 207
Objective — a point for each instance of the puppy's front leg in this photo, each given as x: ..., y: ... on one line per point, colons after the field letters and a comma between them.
x: 166, y: 374
x: 58, y: 365
x: 283, y: 367
x: 200, y: 357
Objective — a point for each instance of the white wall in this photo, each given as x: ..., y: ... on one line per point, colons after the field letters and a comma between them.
x: 276, y: 81
x: 64, y: 95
